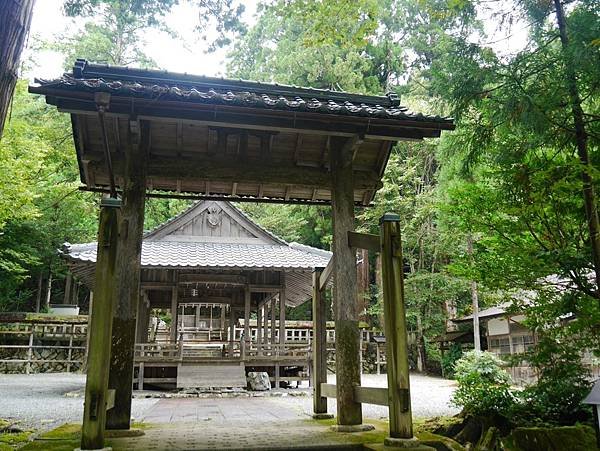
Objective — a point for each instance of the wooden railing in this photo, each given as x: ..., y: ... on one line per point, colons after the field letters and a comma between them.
x: 286, y: 351
x: 169, y: 352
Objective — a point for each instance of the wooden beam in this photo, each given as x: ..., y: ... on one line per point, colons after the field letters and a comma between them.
x: 395, y: 328
x: 128, y: 277
x: 367, y: 241
x: 257, y: 119
x: 156, y: 286
x: 212, y: 278
x: 174, y: 306
x: 319, y: 345
x: 371, y: 395
x: 247, y: 300
x: 329, y: 390
x: 282, y: 298
x: 326, y: 274
x: 347, y: 343
x: 218, y: 169
x: 98, y: 362
x: 297, y: 148
x: 264, y: 288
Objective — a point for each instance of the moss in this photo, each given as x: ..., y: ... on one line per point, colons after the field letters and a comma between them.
x: 52, y: 445
x: 573, y: 438
x: 68, y: 431
x: 15, y: 438
x: 437, y: 425
x: 439, y: 442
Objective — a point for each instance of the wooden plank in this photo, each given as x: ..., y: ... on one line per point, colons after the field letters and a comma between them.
x: 329, y: 390
x: 371, y: 395
x: 110, y: 398
x: 367, y: 241
x: 395, y: 328
x: 326, y: 274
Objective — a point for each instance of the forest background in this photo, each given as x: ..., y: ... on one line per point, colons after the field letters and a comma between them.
x: 497, y: 211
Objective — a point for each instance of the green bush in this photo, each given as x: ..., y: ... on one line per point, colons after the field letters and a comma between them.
x: 562, y: 384
x: 483, y: 386
x: 449, y: 360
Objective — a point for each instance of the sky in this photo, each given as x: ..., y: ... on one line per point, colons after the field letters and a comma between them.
x: 48, y: 21
x: 171, y: 54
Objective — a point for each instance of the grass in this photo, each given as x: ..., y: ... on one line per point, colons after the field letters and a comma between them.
x: 12, y: 440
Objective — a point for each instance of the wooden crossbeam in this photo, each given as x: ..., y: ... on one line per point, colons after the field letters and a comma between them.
x: 364, y: 395
x: 326, y: 274
x: 367, y: 241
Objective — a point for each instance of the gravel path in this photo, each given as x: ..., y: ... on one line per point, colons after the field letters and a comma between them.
x: 38, y: 401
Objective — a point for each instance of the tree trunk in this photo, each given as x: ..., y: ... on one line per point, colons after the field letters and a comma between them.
x: 38, y: 297
x: 475, y: 300
x: 48, y: 291
x: 581, y: 138
x: 15, y: 19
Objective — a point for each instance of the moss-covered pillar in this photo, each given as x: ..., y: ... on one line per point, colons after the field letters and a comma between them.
x: 395, y: 331
x: 347, y: 352
x: 128, y: 275
x: 98, y: 359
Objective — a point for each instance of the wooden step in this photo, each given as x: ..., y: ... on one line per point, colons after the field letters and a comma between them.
x: 206, y: 375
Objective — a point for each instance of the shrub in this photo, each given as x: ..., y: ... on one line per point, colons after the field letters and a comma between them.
x: 562, y: 384
x: 483, y: 386
x: 449, y: 360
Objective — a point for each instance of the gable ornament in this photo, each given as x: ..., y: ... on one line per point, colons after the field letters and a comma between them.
x: 214, y: 216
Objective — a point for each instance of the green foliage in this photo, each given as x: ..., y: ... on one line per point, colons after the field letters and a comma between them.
x: 483, y: 386
x: 43, y: 206
x: 451, y: 356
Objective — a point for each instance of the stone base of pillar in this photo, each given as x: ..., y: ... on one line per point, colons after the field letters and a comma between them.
x: 352, y: 428
x: 106, y: 448
x: 322, y: 416
x: 411, y: 444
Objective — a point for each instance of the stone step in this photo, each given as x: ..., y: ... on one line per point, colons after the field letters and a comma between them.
x: 205, y: 375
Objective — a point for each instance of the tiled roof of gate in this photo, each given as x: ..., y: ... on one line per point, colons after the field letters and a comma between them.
x: 162, y: 85
x: 175, y: 254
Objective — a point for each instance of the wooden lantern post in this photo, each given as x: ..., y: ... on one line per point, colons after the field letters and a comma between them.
x: 401, y: 431
x: 347, y: 351
x: 128, y: 275
x: 98, y: 360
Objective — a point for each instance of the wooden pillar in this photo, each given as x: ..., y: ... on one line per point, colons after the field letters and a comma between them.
x: 395, y: 329
x: 98, y: 362
x: 319, y: 347
x: 282, y: 297
x: 247, y: 314
x: 231, y: 329
x: 143, y: 317
x: 174, y: 293
x: 347, y: 352
x: 273, y: 326
x: 259, y: 330
x: 265, y: 323
x: 128, y: 270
